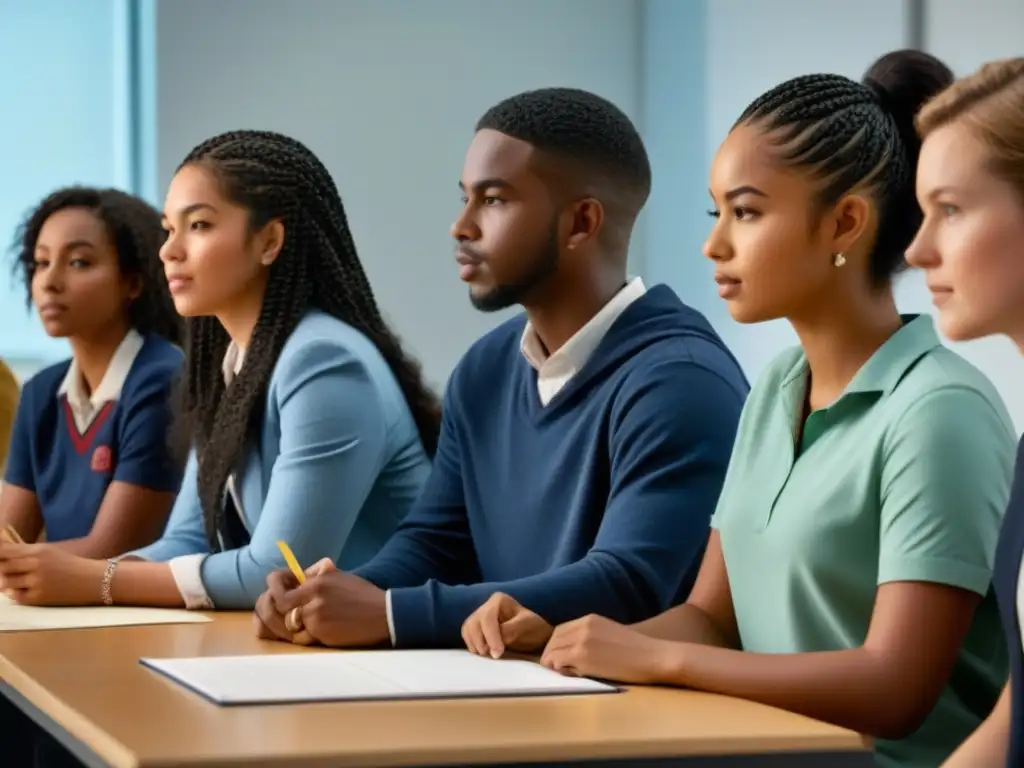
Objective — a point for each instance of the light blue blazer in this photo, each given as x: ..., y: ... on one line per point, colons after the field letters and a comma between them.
x: 338, y: 464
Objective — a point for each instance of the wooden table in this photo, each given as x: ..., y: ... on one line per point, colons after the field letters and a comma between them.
x: 87, y: 689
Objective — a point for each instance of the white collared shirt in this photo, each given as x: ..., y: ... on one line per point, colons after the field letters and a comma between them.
x: 232, y: 364
x: 85, y: 407
x: 556, y: 370
x: 187, y: 569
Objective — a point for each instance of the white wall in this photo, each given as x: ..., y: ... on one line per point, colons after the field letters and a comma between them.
x: 386, y: 93
x: 965, y: 35
x: 675, y: 93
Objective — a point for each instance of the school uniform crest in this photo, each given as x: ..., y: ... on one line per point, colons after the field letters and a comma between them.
x: 102, y: 459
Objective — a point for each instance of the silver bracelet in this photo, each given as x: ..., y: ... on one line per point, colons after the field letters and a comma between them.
x: 108, y: 576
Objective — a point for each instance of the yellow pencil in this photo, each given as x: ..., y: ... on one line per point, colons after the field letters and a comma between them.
x: 12, y: 534
x: 293, y: 564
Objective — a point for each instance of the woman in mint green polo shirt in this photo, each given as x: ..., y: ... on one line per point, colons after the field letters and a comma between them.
x: 847, y: 576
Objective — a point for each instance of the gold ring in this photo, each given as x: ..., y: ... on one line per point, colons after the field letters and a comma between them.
x: 293, y: 619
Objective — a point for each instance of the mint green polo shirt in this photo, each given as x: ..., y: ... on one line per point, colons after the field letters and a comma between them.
x: 904, y: 478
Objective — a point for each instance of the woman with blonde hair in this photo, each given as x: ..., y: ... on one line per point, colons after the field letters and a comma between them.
x: 970, y: 183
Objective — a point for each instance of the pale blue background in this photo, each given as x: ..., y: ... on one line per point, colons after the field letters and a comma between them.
x: 387, y: 91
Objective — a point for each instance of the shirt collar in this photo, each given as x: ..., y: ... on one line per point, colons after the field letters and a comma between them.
x: 232, y: 363
x: 890, y: 362
x: 110, y: 386
x: 578, y: 349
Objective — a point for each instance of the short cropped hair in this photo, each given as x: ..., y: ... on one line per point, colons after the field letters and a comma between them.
x: 581, y: 126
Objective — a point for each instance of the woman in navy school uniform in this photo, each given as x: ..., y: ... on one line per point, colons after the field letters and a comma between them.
x: 970, y: 183
x: 89, y: 459
x: 304, y: 419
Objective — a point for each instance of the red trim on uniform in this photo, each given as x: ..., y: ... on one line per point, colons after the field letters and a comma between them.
x: 82, y: 442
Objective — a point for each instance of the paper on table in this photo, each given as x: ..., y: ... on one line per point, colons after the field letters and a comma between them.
x: 361, y: 675
x: 24, y: 618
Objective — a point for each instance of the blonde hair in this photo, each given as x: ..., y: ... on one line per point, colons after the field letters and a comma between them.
x: 990, y: 103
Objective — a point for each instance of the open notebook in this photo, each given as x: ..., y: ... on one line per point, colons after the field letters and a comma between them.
x: 25, y: 618
x: 365, y: 675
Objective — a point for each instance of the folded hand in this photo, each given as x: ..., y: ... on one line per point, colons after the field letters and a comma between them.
x: 598, y: 647
x: 332, y: 608
x: 503, y: 624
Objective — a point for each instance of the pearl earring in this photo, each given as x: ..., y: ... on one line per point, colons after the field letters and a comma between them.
x: 838, y: 260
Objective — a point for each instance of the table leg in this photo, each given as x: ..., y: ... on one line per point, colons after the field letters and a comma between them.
x: 37, y: 739
x: 16, y: 735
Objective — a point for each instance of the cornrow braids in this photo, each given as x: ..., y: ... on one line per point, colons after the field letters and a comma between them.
x: 858, y: 136
x: 135, y: 230
x: 276, y: 177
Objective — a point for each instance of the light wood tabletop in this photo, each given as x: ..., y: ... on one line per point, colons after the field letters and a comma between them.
x: 89, y: 683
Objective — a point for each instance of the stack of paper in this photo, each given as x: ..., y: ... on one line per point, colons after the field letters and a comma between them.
x: 362, y: 675
x: 24, y: 618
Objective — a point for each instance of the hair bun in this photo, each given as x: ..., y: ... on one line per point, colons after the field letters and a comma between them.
x: 903, y: 81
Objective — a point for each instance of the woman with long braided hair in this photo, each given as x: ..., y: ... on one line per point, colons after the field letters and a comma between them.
x: 847, y: 574
x: 89, y: 459
x: 304, y: 419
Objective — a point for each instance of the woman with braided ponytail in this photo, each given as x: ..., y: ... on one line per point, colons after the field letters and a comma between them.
x: 89, y: 459
x: 847, y: 574
x: 304, y: 419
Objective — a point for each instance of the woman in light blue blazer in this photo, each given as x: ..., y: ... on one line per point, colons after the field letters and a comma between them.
x: 304, y: 419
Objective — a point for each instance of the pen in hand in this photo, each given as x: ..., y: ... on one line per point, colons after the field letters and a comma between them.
x: 293, y: 619
x: 11, y: 535
x: 293, y: 564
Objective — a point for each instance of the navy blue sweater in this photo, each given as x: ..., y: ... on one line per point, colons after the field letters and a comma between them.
x: 1007, y: 570
x: 599, y: 502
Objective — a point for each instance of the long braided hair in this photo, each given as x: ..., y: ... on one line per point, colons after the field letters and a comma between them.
x: 275, y: 177
x: 859, y: 136
x: 134, y: 228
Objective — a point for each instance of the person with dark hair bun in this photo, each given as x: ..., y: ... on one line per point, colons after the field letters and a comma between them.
x: 304, y: 419
x: 847, y: 577
x: 89, y: 462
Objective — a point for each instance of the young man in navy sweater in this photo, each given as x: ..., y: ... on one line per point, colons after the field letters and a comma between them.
x: 584, y: 443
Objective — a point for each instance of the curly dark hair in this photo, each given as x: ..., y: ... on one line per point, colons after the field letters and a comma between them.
x: 848, y: 135
x: 135, y: 229
x: 276, y: 177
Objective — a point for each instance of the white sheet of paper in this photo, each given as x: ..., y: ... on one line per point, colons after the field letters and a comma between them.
x: 362, y: 675
x: 27, y: 618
